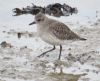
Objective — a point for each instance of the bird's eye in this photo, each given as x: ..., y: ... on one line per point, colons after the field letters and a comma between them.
x: 39, y: 20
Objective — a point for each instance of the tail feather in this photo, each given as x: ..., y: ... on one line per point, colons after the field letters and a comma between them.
x: 83, y: 39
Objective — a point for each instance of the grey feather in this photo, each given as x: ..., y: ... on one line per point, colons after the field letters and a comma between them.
x: 62, y: 32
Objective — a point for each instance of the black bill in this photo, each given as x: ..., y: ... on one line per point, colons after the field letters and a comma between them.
x: 32, y: 23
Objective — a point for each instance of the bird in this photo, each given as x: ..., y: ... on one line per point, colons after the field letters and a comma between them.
x: 54, y: 32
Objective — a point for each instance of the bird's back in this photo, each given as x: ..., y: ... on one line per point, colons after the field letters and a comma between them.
x: 62, y: 31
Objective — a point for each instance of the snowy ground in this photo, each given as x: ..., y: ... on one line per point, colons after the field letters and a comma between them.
x: 21, y: 64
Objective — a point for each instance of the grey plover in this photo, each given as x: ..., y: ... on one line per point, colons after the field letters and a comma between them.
x: 54, y: 32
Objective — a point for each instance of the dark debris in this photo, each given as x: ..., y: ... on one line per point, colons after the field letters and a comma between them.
x: 55, y: 9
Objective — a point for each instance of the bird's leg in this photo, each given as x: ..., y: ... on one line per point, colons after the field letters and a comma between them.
x: 47, y: 51
x: 60, y: 52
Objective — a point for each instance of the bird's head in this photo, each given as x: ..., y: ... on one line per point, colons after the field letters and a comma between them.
x: 39, y: 18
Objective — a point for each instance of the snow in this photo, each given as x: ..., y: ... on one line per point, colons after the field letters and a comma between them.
x: 21, y: 64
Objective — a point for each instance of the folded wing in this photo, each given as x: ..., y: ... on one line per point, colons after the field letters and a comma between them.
x: 62, y: 32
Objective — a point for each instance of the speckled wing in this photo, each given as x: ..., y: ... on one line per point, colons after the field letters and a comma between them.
x: 62, y: 32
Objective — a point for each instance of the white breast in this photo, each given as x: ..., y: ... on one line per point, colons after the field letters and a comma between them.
x: 47, y: 36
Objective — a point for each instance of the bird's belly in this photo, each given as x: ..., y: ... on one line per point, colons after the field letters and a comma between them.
x: 50, y: 39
